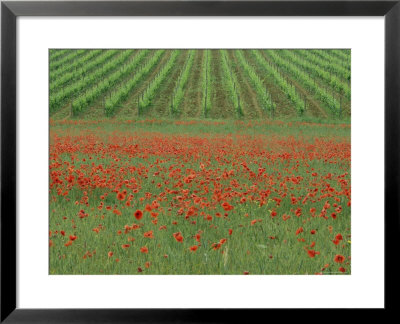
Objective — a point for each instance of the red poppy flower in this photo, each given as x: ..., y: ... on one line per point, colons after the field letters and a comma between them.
x: 120, y: 196
x: 138, y: 214
x: 339, y: 237
x: 73, y: 237
x: 226, y: 206
x: 144, y: 249
x: 117, y: 212
x: 339, y: 258
x: 312, y: 253
x: 299, y: 230
x: 193, y: 248
x: 178, y: 237
x: 68, y: 243
x: 341, y: 269
x: 216, y: 246
x: 148, y: 234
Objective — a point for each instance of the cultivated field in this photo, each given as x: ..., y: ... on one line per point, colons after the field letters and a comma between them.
x: 200, y: 162
x: 249, y: 84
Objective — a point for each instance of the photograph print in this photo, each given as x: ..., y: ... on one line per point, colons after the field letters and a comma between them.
x: 200, y: 161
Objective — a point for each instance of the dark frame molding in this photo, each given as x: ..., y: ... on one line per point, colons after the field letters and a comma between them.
x: 11, y: 10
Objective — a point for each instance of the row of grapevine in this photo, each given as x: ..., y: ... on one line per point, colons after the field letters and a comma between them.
x: 73, y: 67
x: 258, y: 85
x: 231, y: 83
x: 206, y: 83
x: 56, y: 54
x: 336, y: 83
x: 88, y: 64
x: 150, y: 92
x: 179, y: 90
x: 61, y: 97
x: 87, y: 98
x: 304, y: 79
x: 339, y: 70
x: 288, y: 89
x: 335, y: 63
x: 119, y: 96
x: 70, y: 57
x: 344, y: 55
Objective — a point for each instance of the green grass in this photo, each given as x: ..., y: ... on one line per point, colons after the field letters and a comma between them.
x: 128, y: 155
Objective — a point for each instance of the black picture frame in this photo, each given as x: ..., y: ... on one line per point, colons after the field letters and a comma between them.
x: 11, y: 10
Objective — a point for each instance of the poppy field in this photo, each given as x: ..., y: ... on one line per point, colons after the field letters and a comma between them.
x: 163, y: 196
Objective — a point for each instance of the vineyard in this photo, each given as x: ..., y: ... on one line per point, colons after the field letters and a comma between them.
x: 216, y: 84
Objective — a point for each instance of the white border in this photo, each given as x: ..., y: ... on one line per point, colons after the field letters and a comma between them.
x: 364, y: 288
